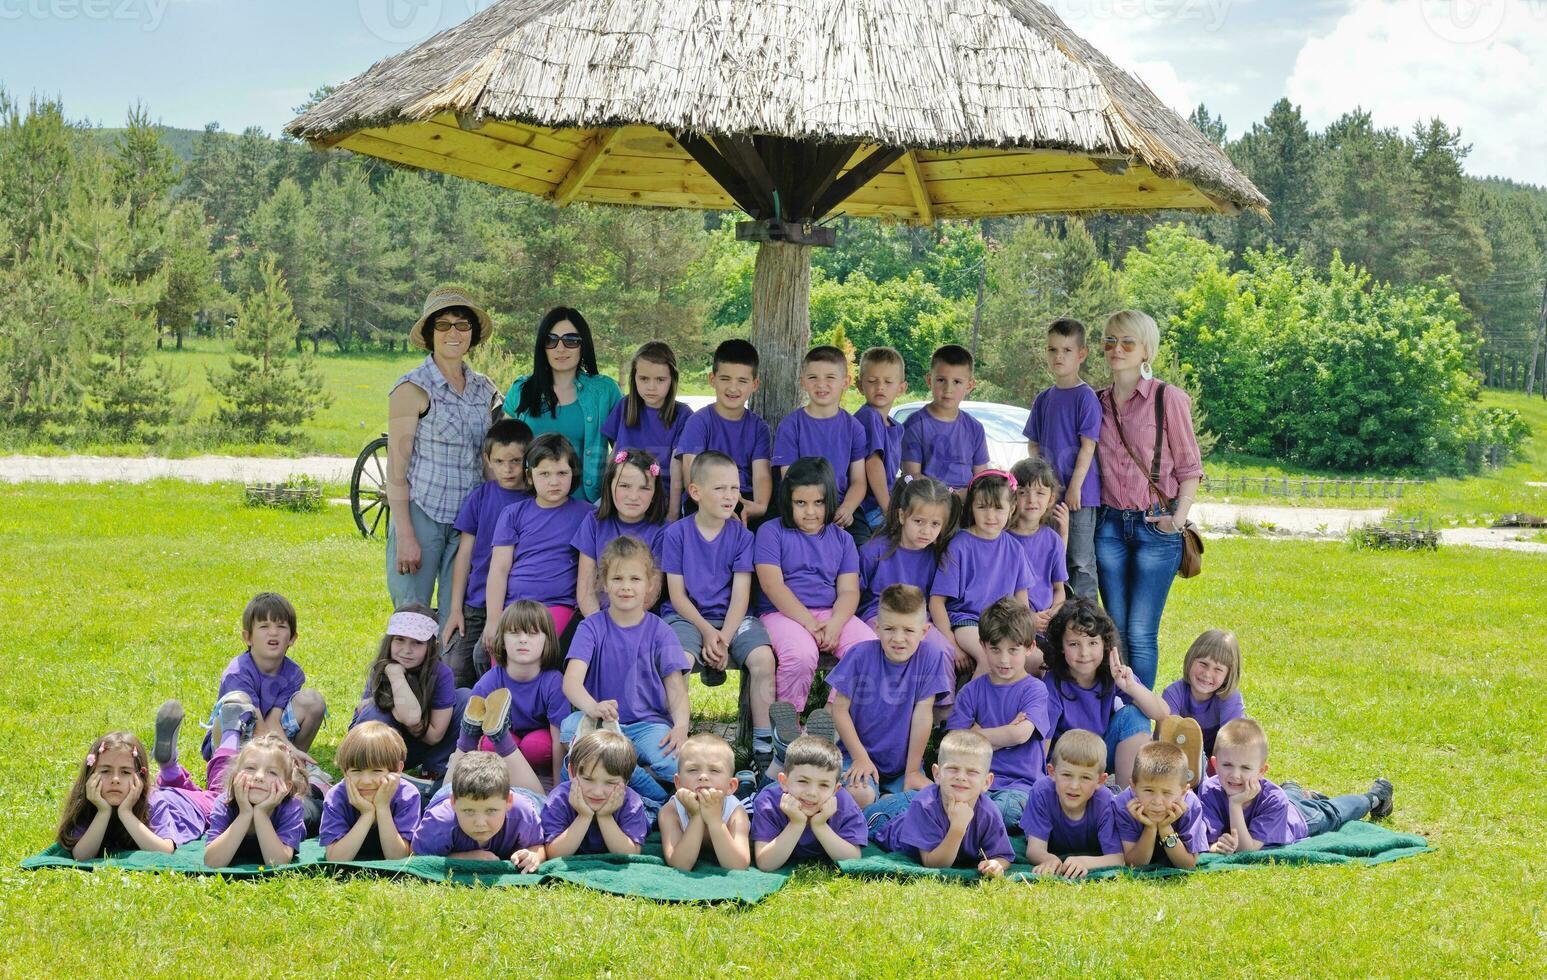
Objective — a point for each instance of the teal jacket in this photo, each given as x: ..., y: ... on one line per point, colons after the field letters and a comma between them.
x: 597, y: 394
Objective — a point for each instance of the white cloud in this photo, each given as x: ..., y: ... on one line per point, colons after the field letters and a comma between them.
x: 1477, y: 64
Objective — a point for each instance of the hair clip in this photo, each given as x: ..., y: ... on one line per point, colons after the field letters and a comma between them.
x: 91, y: 758
x: 1010, y: 479
x: 620, y: 456
x: 655, y: 469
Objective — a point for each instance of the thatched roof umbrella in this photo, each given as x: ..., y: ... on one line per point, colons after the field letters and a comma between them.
x: 790, y: 111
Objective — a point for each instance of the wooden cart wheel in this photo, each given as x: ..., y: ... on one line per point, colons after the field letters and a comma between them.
x: 368, y: 487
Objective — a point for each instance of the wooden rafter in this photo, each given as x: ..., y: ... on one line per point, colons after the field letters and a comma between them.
x: 601, y: 144
x: 722, y: 173
x: 910, y: 170
x: 856, y: 178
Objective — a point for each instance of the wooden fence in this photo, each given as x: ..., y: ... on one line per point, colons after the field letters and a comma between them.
x: 1283, y: 486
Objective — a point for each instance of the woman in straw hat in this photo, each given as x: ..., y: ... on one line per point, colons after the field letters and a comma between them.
x: 565, y: 394
x: 437, y: 415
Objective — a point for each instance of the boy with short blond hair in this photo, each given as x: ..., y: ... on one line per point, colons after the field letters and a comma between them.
x: 941, y: 440
x: 951, y: 821
x: 882, y: 379
x: 806, y: 813
x: 1158, y: 818
x: 1243, y: 811
x: 704, y: 809
x: 1070, y: 820
x: 372, y: 813
x: 482, y: 818
x: 822, y: 428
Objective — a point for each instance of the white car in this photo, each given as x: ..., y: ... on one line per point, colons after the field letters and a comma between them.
x: 1004, y: 425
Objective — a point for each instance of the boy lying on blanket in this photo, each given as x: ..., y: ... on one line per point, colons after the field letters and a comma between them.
x: 952, y: 821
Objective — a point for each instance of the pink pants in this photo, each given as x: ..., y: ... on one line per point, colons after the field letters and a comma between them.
x: 561, y: 617
x: 796, y: 652
x: 535, y: 745
x: 204, y: 799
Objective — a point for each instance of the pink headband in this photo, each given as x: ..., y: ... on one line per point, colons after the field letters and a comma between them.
x: 978, y: 476
x: 654, y: 469
x: 415, y: 626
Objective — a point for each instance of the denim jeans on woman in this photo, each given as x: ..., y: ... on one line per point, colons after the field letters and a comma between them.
x: 1136, y: 562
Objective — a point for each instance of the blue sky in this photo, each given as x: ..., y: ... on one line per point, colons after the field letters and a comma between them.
x: 1480, y: 64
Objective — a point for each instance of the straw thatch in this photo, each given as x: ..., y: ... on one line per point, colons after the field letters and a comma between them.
x: 1002, y: 107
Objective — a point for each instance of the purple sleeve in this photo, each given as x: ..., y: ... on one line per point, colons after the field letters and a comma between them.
x: 691, y: 442
x: 1033, y: 430
x: 1172, y: 696
x: 235, y: 678
x: 948, y: 581
x: 505, y: 533
x: 1023, y: 578
x: 467, y: 516
x: 1192, y: 830
x: 766, y: 548
x: 1270, y: 823
x: 445, y: 688
x: 405, y: 809
x: 875, y: 431
x: 922, y: 827
x: 1037, y: 818
x: 290, y: 823
x: 848, y: 561
x: 963, y: 713
x: 220, y: 817
x: 669, y: 549
x: 1128, y: 829
x: 433, y: 835
x: 584, y: 540
x: 583, y: 646
x: 684, y: 412
x: 1034, y: 705
x: 859, y: 440
x: 912, y: 443
x: 742, y: 561
x: 1058, y: 563
x: 1090, y: 415
x: 338, y: 815
x: 484, y: 685
x: 842, y: 677
x: 768, y: 821
x: 614, y: 422
x: 980, y: 449
x: 557, y: 814
x: 993, y: 838
x: 1232, y: 708
x: 784, y: 448
x: 1106, y: 823
x: 760, y: 441
x: 849, y: 821
x: 631, y: 817
x: 670, y: 658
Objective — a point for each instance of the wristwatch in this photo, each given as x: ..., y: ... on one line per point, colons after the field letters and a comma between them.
x: 1170, y: 840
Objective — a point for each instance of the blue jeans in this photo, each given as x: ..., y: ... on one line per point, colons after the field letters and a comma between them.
x: 886, y: 809
x: 1011, y: 804
x: 437, y: 548
x: 1127, y: 722
x: 1082, y: 552
x: 1325, y: 816
x: 432, y: 757
x: 1136, y: 563
x: 655, y: 764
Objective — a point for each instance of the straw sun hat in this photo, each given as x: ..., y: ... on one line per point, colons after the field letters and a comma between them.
x: 439, y: 299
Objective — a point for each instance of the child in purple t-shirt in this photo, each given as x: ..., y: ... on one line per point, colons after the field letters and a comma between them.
x: 1243, y: 811
x: 1159, y: 819
x: 634, y: 503
x: 371, y: 813
x: 881, y: 380
x: 113, y: 807
x: 409, y: 688
x: 532, y: 556
x: 809, y: 570
x: 1063, y: 428
x: 729, y: 427
x: 1209, y: 689
x: 626, y: 666
x: 259, y: 818
x: 595, y: 811
x: 822, y: 428
x: 1070, y: 820
x: 1035, y: 527
x: 982, y: 566
x: 941, y: 439
x: 1008, y: 706
x: 650, y: 418
x: 883, y: 700
x: 707, y: 558
x: 516, y: 708
x: 951, y: 821
x: 265, y: 676
x: 805, y: 813
x: 504, y: 448
x: 1084, y: 677
x: 479, y: 817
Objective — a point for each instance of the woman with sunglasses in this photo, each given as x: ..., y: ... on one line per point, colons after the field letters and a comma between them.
x: 437, y: 415
x: 1139, y: 532
x: 565, y: 394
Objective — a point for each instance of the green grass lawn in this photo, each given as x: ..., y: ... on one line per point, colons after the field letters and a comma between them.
x: 1423, y: 667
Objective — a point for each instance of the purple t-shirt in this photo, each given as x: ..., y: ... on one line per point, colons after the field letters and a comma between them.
x: 1044, y: 552
x: 885, y: 437
x: 924, y: 826
x: 544, y: 565
x: 629, y: 664
x: 744, y: 440
x: 882, y: 695
x: 267, y: 691
x: 1094, y: 833
x: 444, y: 695
x: 439, y: 835
x: 558, y: 815
x: 840, y: 440
x: 339, y: 817
x: 1210, y: 714
x: 174, y: 815
x: 811, y: 562
x: 947, y: 451
x: 289, y: 820
x: 593, y: 536
x: 1272, y: 817
x: 1191, y: 828
x: 983, y: 703
x: 768, y: 822
x: 1059, y: 417
x: 479, y: 514
x: 651, y: 434
x: 534, y: 704
x: 707, y: 567
x: 978, y: 573
x: 1071, y: 706
x: 877, y: 570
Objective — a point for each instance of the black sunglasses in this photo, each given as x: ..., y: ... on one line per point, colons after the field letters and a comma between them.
x: 570, y: 340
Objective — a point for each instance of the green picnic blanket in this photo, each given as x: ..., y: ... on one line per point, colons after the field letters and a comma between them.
x: 647, y: 875
x: 1355, y: 843
x: 188, y: 860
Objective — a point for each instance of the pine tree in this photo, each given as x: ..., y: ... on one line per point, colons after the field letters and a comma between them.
x: 284, y: 229
x: 268, y: 390
x: 191, y: 275
x: 35, y: 172
x: 357, y: 259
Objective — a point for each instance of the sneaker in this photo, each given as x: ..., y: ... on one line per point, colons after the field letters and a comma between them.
x: 820, y: 724
x: 496, y: 713
x: 746, y: 788
x: 237, y: 714
x: 1186, y: 734
x: 587, y: 726
x: 426, y: 787
x: 786, y: 723
x: 761, y: 761
x: 1380, y: 796
x: 472, y: 717
x: 169, y: 719
x: 318, y: 778
x: 711, y: 676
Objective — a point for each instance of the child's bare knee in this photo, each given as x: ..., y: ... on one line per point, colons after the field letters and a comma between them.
x: 308, y: 704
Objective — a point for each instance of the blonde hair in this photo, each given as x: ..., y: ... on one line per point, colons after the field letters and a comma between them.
x: 964, y: 743
x: 1159, y: 761
x: 708, y: 743
x: 877, y: 356
x: 1078, y: 747
x: 275, y: 745
x: 902, y: 599
x: 1221, y: 647
x: 371, y: 745
x: 1141, y: 325
x: 626, y: 548
x: 1242, y: 733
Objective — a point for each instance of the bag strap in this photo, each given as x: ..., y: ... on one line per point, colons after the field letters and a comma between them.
x: 1153, y: 476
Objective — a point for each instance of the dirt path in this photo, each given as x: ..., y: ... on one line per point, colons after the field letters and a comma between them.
x: 197, y: 469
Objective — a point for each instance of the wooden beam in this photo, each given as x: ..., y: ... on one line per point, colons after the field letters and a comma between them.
x: 742, y: 155
x: 722, y: 173
x: 856, y: 178
x: 910, y: 170
x: 601, y: 145
x: 825, y: 167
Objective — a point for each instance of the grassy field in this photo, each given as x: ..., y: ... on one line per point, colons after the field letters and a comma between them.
x: 1418, y: 666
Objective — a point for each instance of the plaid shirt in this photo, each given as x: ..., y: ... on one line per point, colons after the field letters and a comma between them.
x: 447, y: 459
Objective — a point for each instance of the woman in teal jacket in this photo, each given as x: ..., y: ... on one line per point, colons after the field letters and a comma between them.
x: 565, y: 394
